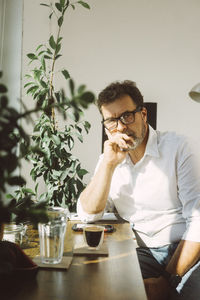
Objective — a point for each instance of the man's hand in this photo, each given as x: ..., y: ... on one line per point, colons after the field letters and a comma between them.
x: 116, y: 147
x: 157, y: 288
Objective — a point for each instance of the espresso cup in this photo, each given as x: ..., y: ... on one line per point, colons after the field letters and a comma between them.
x: 93, y: 236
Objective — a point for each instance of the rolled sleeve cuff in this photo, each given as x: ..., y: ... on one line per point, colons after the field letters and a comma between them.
x: 85, y: 217
x: 192, y: 232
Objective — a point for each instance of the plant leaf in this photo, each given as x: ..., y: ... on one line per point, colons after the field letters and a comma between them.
x: 58, y: 47
x: 50, y: 15
x: 28, y: 190
x: 57, y: 56
x: 39, y: 47
x: 60, y: 21
x: 87, y: 97
x: 60, y: 39
x: 82, y: 172
x: 32, y: 89
x: 47, y: 57
x: 41, y: 52
x: 3, y: 88
x: 52, y: 42
x: 43, y: 63
x: 66, y: 74
x: 81, y: 89
x: 87, y: 126
x: 43, y: 84
x: 58, y: 6
x: 84, y: 4
x: 16, y: 180
x: 56, y: 139
x: 43, y: 4
x: 71, y: 86
x: 32, y: 56
x: 62, y: 3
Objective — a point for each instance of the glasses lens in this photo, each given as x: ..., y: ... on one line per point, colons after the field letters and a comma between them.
x: 128, y: 118
x: 110, y: 124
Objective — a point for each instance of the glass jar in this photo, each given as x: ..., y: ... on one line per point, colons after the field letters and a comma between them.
x: 14, y: 233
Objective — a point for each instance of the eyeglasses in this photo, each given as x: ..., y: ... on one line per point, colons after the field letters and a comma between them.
x: 126, y: 118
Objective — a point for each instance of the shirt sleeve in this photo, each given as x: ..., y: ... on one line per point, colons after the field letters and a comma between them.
x: 89, y: 218
x: 189, y: 189
x: 85, y: 217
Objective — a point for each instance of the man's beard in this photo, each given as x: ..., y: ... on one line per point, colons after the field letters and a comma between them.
x: 137, y: 140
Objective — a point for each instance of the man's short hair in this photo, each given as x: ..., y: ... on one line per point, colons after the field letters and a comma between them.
x: 117, y: 90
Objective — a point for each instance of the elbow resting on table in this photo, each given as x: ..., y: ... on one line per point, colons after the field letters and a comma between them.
x: 91, y: 210
x: 86, y: 209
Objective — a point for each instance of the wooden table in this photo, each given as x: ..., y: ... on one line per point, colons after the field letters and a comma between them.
x: 115, y: 277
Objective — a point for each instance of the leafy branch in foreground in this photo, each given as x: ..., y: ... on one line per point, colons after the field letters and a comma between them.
x: 52, y: 158
x: 14, y: 145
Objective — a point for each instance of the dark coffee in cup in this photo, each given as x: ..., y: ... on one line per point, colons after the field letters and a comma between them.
x: 94, y: 235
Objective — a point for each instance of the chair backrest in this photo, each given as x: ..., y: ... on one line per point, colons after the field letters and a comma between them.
x: 151, y: 113
x: 151, y: 118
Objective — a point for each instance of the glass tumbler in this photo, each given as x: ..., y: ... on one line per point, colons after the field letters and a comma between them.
x: 52, y: 235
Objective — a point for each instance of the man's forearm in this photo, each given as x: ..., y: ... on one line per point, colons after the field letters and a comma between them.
x: 94, y: 197
x: 185, y: 256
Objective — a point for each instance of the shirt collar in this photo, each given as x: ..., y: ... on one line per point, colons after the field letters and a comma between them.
x: 152, y: 143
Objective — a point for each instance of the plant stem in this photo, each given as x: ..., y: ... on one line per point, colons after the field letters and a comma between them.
x: 51, y: 80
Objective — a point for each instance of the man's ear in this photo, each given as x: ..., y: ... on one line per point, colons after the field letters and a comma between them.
x: 144, y: 113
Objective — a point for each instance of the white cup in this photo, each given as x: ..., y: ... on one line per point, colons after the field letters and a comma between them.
x: 52, y: 235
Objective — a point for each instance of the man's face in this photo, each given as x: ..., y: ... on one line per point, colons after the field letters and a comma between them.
x: 137, y: 130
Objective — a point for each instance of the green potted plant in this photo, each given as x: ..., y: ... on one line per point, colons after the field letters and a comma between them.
x: 61, y: 172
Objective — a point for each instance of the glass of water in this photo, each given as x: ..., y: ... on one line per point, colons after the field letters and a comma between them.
x: 52, y: 235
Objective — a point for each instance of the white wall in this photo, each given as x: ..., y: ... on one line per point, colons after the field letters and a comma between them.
x: 155, y: 43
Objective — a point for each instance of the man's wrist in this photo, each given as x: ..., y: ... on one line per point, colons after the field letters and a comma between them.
x: 173, y: 279
x: 110, y: 165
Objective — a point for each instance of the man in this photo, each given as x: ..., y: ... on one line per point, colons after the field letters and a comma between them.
x: 152, y: 180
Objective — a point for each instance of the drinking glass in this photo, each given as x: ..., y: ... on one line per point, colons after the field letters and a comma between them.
x: 52, y: 235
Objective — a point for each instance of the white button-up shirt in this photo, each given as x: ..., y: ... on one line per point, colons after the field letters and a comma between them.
x: 160, y: 194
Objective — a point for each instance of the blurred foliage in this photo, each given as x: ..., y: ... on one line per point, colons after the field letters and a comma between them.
x: 12, y: 139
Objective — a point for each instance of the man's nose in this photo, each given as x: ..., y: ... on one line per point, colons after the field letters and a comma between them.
x: 121, y: 126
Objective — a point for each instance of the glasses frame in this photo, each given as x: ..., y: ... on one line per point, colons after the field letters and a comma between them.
x: 139, y: 108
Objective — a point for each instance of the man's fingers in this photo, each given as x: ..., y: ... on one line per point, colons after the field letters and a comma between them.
x: 121, y: 140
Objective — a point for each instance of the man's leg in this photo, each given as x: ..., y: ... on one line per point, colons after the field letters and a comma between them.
x: 149, y: 266
x: 153, y: 260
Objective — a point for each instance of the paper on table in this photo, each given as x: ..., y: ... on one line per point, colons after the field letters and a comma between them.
x: 106, y: 217
x: 109, y: 217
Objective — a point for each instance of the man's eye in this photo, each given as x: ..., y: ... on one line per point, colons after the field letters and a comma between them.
x: 128, y: 116
x: 110, y: 123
